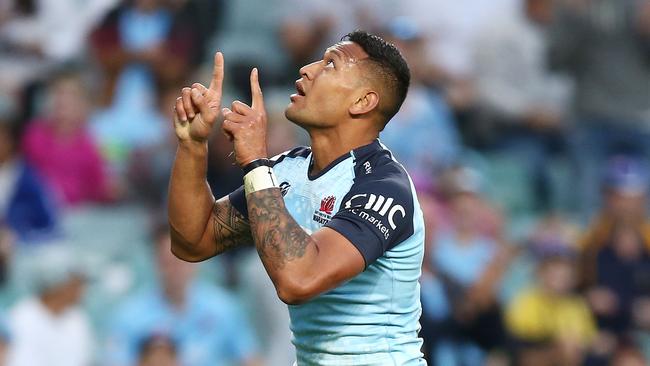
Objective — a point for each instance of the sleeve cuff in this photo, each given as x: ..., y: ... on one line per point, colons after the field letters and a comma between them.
x: 367, y: 244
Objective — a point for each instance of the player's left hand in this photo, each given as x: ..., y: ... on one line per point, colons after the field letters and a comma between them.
x: 246, y: 126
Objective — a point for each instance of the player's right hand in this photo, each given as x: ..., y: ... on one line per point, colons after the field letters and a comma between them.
x: 198, y: 107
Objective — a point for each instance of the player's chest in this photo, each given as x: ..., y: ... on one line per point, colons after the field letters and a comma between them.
x: 313, y: 203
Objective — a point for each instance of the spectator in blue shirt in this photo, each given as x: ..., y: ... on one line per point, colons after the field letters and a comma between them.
x: 26, y: 208
x: 205, y: 321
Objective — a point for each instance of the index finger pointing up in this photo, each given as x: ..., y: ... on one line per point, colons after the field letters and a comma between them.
x: 217, y: 73
x: 256, y: 90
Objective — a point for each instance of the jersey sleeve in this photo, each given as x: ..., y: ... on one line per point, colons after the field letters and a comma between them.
x: 238, y: 201
x: 377, y: 213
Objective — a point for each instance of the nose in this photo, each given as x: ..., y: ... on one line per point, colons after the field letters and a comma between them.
x: 309, y: 71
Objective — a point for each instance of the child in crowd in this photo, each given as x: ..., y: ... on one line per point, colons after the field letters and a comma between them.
x: 548, y: 323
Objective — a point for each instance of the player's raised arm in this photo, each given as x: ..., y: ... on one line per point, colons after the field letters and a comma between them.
x: 300, y: 265
x: 200, y: 227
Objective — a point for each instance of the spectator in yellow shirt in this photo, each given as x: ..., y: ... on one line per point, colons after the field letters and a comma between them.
x: 548, y: 323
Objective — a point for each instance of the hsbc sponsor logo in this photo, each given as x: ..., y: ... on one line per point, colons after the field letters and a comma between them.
x: 384, y: 207
x: 379, y: 204
x: 373, y: 220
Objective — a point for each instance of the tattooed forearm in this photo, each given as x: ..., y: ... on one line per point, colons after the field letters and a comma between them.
x: 278, y: 238
x: 230, y: 228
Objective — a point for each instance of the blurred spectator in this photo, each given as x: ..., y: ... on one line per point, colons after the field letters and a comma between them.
x: 222, y: 173
x: 468, y: 263
x: 6, y: 254
x: 622, y: 280
x: 139, y: 47
x: 624, y: 190
x: 602, y: 44
x: 615, y: 258
x: 206, y: 321
x: 269, y: 315
x: 549, y: 324
x: 43, y: 27
x: 36, y: 35
x: 4, y: 343
x: 628, y: 356
x: 49, y: 328
x: 59, y: 147
x: 422, y: 134
x: 195, y: 21
x: 554, y: 229
x: 143, y: 46
x: 450, y: 29
x: 150, y: 164
x: 25, y: 206
x: 486, y: 218
x: 522, y: 105
x: 310, y: 27
x: 158, y: 350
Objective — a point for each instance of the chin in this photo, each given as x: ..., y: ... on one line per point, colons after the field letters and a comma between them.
x: 304, y: 118
x: 292, y: 115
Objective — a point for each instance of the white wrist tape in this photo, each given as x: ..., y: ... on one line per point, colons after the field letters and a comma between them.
x: 258, y: 179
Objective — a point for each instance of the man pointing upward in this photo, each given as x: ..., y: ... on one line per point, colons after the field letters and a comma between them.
x: 337, y: 225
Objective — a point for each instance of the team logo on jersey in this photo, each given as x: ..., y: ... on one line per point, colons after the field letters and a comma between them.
x: 363, y: 205
x: 284, y: 188
x: 327, y: 204
x: 324, y: 214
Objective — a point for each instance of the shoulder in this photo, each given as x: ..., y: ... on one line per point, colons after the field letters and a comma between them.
x: 378, y: 162
x: 25, y: 306
x: 24, y: 315
x: 378, y: 171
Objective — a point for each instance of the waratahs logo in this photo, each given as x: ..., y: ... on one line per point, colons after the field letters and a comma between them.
x: 324, y: 214
x: 327, y: 204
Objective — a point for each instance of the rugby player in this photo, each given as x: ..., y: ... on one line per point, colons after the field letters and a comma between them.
x: 337, y: 225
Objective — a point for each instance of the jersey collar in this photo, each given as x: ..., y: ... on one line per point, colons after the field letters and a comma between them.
x: 357, y: 154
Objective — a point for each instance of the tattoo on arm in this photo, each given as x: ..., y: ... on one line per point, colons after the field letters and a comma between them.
x: 231, y: 229
x: 278, y: 237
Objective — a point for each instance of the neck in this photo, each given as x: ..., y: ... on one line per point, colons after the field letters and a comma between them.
x: 328, y: 145
x: 66, y: 128
x: 175, y: 296
x: 53, y: 303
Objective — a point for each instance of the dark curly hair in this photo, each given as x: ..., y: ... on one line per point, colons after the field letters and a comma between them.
x: 389, y: 67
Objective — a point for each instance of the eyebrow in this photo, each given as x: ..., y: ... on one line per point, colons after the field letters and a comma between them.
x: 334, y: 52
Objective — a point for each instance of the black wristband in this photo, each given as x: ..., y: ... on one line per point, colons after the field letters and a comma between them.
x: 257, y: 163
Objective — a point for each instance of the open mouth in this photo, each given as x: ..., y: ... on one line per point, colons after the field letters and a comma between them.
x: 299, y: 88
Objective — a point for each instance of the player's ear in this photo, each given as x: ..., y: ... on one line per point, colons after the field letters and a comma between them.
x: 365, y: 103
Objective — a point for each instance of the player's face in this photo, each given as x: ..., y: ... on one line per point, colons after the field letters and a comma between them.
x: 328, y: 87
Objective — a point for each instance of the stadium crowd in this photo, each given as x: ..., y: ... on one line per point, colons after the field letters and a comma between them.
x: 526, y: 131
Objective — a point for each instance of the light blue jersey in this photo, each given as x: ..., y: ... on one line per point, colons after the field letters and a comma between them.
x: 372, y: 319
